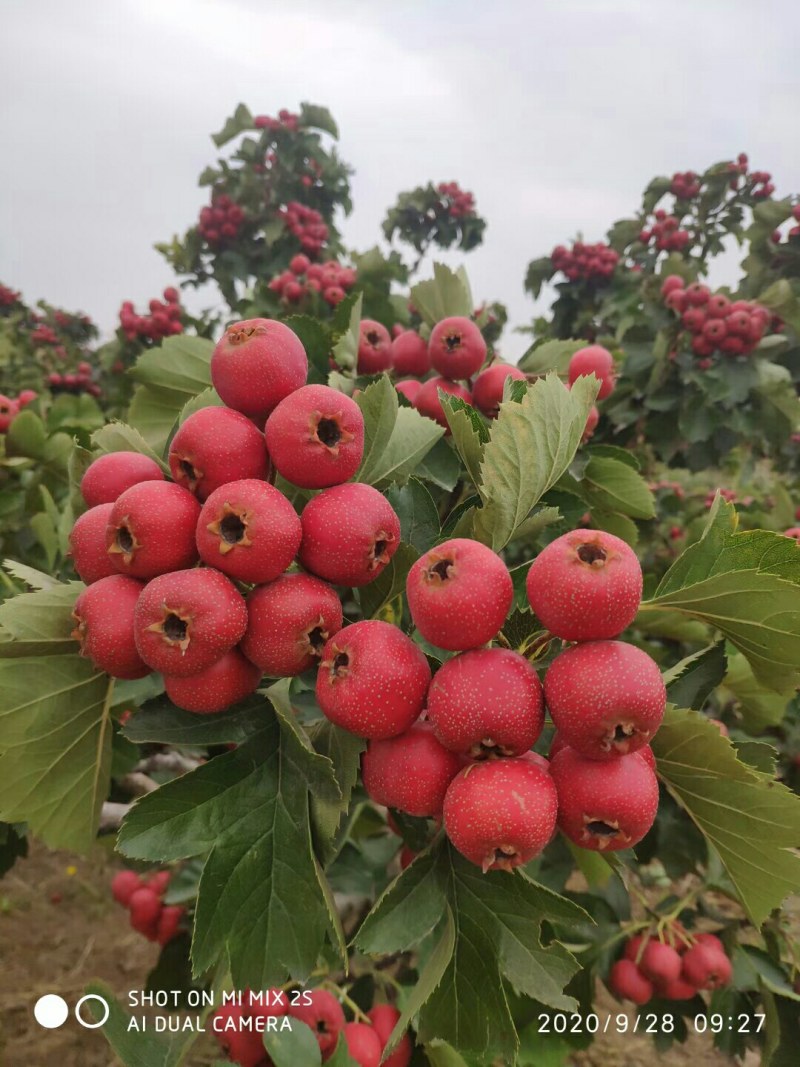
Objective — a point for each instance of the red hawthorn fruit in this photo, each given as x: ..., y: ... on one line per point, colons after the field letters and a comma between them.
x: 677, y: 990
x: 594, y: 359
x: 324, y: 1015
x: 592, y: 420
x: 104, y: 613
x: 697, y: 294
x: 717, y: 306
x: 256, y: 364
x: 350, y: 532
x: 384, y: 1017
x: 168, y: 923
x: 87, y: 544
x: 8, y: 412
x: 109, y: 476
x: 606, y: 698
x: 660, y: 963
x: 215, y: 446
x: 635, y: 947
x: 159, y: 882
x: 676, y: 300
x: 269, y: 1004
x: 487, y: 389
x: 374, y: 347
x: 693, y: 319
x: 187, y: 620
x: 714, y: 330
x: 459, y: 594
x: 409, y: 388
x: 226, y: 682
x: 500, y: 813
x: 604, y: 805
x: 372, y: 680
x: 363, y: 1044
x: 299, y: 264
x: 289, y: 621
x: 151, y: 529
x: 249, y: 531
x: 706, y: 967
x: 701, y: 346
x: 427, y: 400
x: 627, y: 982
x: 145, y: 910
x: 487, y: 702
x: 315, y: 437
x: 585, y: 586
x: 410, y: 772
x: 407, y: 857
x: 242, y: 1046
x: 410, y: 354
x: 456, y: 348
x: 123, y: 885
x: 671, y: 283
x: 27, y: 396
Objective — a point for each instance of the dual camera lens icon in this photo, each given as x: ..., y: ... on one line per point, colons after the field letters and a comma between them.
x: 52, y: 1011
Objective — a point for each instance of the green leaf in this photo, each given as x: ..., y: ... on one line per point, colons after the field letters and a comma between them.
x: 378, y: 404
x: 318, y: 118
x: 612, y: 485
x: 344, y: 750
x: 345, y: 349
x: 295, y: 1047
x: 440, y: 466
x: 155, y: 413
x: 26, y: 436
x: 759, y: 707
x: 390, y: 583
x: 469, y: 433
x: 552, y: 355
x: 159, y: 721
x: 239, y: 121
x: 446, y: 294
x: 29, y: 575
x: 209, y: 398
x: 39, y: 623
x: 752, y: 821
x: 532, y: 444
x: 416, y: 510
x: 412, y: 439
x: 55, y: 753
x: 180, y: 364
x: 135, y: 1047
x: 690, y: 682
x: 117, y: 437
x: 317, y: 343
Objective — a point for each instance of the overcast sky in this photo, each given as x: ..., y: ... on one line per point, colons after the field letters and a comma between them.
x: 555, y: 114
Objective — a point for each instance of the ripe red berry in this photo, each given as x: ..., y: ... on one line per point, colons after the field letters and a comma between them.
x: 594, y: 359
x: 585, y: 586
x: 249, y: 531
x: 104, y: 613
x: 671, y: 283
x: 215, y: 446
x: 363, y: 1044
x: 124, y: 884
x: 409, y: 388
x: 706, y: 967
x: 676, y: 300
x: 410, y: 772
x: 427, y: 400
x: 374, y: 347
x: 145, y: 910
x: 487, y: 702
x: 660, y: 963
x: 604, y: 805
x: 592, y: 420
x: 714, y: 330
x: 677, y: 990
x: 87, y: 544
x: 151, y: 529
x: 159, y: 882
x: 324, y: 1015
x: 27, y: 396
x: 350, y: 532
x: 169, y: 923
x: 110, y: 475
x: 372, y: 680
x: 487, y: 389
x: 717, y: 306
x: 626, y: 981
x: 500, y: 813
x: 240, y: 1044
x: 384, y: 1018
x: 456, y: 348
x: 697, y: 294
x: 187, y: 620
x: 459, y: 594
x: 315, y: 437
x: 256, y: 364
x: 410, y: 354
x: 606, y: 698
x: 226, y: 682
x: 299, y: 264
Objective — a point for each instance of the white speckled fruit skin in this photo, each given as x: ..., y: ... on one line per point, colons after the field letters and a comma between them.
x: 106, y: 610
x: 87, y: 544
x: 503, y: 802
x: 622, y: 791
x: 110, y: 475
x: 580, y: 601
x: 470, y: 607
x: 273, y: 528
x: 410, y: 772
x: 225, y: 682
x: 374, y: 357
x: 223, y: 444
x: 410, y: 355
x: 464, y: 360
x: 280, y: 614
x: 254, y: 376
x: 297, y: 452
x: 386, y: 684
x: 594, y: 359
x: 487, y: 389
x: 340, y: 527
x: 218, y: 620
x: 427, y: 400
x: 592, y: 687
x: 162, y: 517
x: 488, y: 693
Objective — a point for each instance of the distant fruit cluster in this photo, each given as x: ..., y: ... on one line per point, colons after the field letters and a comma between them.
x: 330, y: 279
x: 794, y: 232
x: 685, y: 185
x: 714, y: 322
x: 10, y: 407
x: 79, y: 382
x: 459, y: 203
x: 306, y: 224
x: 9, y: 297
x: 220, y: 222
x: 44, y: 335
x: 164, y: 318
x: 672, y: 963
x: 665, y: 233
x: 143, y: 897
x: 759, y: 181
x: 585, y: 262
x: 286, y: 120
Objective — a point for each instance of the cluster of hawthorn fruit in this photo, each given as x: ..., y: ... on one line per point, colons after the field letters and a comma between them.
x: 143, y: 897
x: 665, y: 232
x: 10, y: 407
x: 306, y: 224
x: 671, y: 963
x: 330, y: 279
x: 163, y: 320
x: 221, y: 220
x: 714, y: 321
x: 585, y: 262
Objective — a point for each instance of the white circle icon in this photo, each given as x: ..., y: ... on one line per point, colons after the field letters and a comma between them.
x: 82, y: 1001
x: 51, y: 1011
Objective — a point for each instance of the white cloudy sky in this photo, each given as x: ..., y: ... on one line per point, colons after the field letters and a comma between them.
x: 554, y: 112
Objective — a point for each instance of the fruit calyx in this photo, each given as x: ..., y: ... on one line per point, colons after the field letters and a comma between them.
x: 124, y: 543
x: 337, y: 665
x: 231, y: 528
x: 192, y: 476
x: 601, y: 832
x: 328, y: 431
x: 313, y: 640
x: 501, y: 859
x: 380, y: 555
x: 592, y: 554
x: 174, y: 627
x: 621, y: 734
x: 440, y: 569
x: 488, y: 748
x: 238, y: 334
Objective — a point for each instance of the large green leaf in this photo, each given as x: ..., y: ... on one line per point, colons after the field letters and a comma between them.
x: 413, y: 437
x: 159, y: 721
x: 416, y: 510
x: 759, y: 707
x: 446, y: 294
x: 39, y: 623
x: 378, y: 403
x: 532, y: 443
x: 117, y: 437
x: 552, y: 355
x: 752, y: 821
x: 468, y: 432
x: 181, y: 364
x: 612, y: 485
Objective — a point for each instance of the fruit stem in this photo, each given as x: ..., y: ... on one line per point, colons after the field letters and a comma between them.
x: 360, y: 1016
